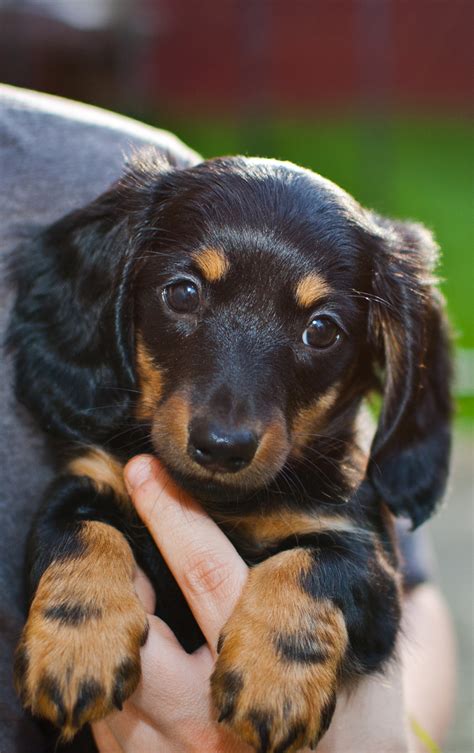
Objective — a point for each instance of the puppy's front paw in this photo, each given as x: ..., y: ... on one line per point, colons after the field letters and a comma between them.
x: 79, y: 654
x: 276, y: 706
x: 276, y: 676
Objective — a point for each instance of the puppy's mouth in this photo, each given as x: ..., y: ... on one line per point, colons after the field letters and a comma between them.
x: 217, y: 465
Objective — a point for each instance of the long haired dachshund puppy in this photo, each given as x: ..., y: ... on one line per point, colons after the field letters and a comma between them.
x: 230, y: 317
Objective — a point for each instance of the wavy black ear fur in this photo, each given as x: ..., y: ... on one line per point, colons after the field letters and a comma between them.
x: 72, y: 325
x: 410, y: 452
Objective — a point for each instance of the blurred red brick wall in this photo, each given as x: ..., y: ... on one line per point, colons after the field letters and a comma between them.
x: 249, y: 56
x: 433, y: 46
x: 310, y: 54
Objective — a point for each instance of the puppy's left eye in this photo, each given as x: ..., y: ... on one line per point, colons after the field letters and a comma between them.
x: 322, y: 332
x: 183, y: 297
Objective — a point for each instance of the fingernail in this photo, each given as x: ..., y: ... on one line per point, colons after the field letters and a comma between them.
x: 137, y: 472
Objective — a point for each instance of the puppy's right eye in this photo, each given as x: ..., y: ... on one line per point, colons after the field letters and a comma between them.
x: 182, y: 297
x: 321, y: 333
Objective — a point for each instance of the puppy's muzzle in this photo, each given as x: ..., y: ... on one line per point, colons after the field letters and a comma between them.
x: 220, y: 448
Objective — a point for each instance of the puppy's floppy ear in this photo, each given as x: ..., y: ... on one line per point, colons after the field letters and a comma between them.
x: 410, y: 452
x: 72, y: 324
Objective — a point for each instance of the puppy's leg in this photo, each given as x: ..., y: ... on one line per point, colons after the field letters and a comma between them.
x: 79, y: 654
x: 308, y: 619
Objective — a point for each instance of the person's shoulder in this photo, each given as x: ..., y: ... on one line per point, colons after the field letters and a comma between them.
x: 57, y: 155
x: 43, y: 114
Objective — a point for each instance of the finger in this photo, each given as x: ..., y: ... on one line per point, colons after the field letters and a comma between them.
x: 145, y: 591
x: 133, y: 733
x: 104, y: 738
x: 163, y: 657
x: 204, y: 563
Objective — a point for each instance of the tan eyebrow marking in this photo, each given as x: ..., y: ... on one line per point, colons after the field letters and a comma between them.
x: 213, y: 263
x: 310, y: 289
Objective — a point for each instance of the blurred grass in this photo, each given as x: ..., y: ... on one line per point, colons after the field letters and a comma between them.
x: 419, y: 169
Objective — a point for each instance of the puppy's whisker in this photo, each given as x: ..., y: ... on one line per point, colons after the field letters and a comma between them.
x: 127, y: 430
x: 321, y: 455
x: 124, y: 389
x: 293, y: 479
x: 85, y: 411
x: 331, y: 483
x: 371, y: 297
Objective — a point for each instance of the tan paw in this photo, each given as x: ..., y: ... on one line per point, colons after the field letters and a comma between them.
x: 276, y: 676
x: 79, y: 654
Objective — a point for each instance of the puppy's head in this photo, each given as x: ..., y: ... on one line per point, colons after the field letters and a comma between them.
x: 248, y: 331
x: 245, y: 307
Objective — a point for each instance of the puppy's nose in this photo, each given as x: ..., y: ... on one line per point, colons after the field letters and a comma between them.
x: 218, y: 449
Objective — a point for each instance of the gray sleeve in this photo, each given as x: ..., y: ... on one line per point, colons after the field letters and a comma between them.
x: 54, y: 156
x: 416, y: 553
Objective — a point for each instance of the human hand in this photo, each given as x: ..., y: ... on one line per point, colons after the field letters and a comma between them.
x: 171, y: 710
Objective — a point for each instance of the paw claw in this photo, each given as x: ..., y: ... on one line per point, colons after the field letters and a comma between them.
x: 50, y: 690
x: 220, y: 643
x: 126, y: 679
x: 89, y: 692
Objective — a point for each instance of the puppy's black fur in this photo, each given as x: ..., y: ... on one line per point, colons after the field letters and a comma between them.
x: 171, y: 316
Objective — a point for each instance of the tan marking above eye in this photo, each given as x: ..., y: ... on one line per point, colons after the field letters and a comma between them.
x: 150, y: 378
x: 105, y: 471
x: 310, y: 289
x: 213, y: 263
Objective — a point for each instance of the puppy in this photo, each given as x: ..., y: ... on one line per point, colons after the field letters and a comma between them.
x: 230, y: 318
